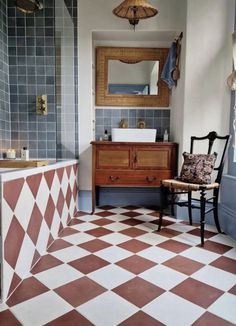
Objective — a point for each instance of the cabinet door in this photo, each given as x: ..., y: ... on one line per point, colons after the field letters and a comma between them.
x: 154, y: 158
x: 117, y: 157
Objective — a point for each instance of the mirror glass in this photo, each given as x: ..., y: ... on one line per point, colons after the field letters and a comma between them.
x: 133, y: 77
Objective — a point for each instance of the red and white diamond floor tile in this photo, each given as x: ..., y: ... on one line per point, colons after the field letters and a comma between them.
x: 113, y: 268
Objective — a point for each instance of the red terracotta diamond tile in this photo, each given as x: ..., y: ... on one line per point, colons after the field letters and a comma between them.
x: 164, y: 221
x: 104, y: 213
x: 68, y: 219
x: 95, y: 245
x: 102, y: 221
x: 135, y: 264
x: 50, y: 210
x: 58, y: 244
x: 72, y: 318
x: 131, y: 214
x: 138, y: 291
x: 134, y: 245
x: 174, y: 246
x: 16, y: 280
x: 35, y: 258
x: 88, y: 264
x: 49, y: 175
x: 33, y: 182
x: 80, y: 214
x: 10, y: 196
x: 225, y: 263
x: 50, y: 240
x: 34, y: 224
x: 233, y: 290
x: 107, y: 207
x: 13, y: 242
x: 68, y: 170
x: 208, y: 319
x: 141, y: 319
x: 80, y: 291
x: 28, y: 289
x: 75, y: 191
x: 132, y: 222
x: 133, y: 232
x: 216, y: 247
x: 68, y: 231
x: 183, y: 265
x: 45, y: 263
x: 60, y: 173
x: 154, y: 214
x: 75, y: 221
x: 8, y: 319
x: 207, y: 234
x: 168, y: 233
x: 98, y: 232
x: 131, y: 207
x: 197, y: 292
x: 68, y: 196
x: 60, y: 202
x: 75, y: 168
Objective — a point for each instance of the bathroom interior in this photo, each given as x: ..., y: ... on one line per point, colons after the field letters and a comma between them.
x: 89, y: 127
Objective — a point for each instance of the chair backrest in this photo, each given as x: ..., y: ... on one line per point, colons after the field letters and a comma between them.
x: 212, y: 136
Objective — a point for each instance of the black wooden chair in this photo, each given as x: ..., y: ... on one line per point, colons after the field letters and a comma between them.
x: 171, y: 188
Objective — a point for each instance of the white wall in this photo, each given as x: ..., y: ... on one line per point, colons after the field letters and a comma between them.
x: 96, y: 15
x: 208, y: 62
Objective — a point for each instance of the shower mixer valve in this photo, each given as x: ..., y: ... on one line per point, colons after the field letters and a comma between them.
x: 41, y: 105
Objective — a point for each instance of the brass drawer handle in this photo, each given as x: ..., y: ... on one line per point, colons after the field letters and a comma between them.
x: 150, y: 179
x: 114, y: 178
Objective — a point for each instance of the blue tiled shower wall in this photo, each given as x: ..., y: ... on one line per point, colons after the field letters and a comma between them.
x: 108, y: 118
x: 28, y: 45
x: 5, y: 135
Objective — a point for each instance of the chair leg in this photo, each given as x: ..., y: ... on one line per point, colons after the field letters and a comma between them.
x: 202, y: 213
x: 215, y: 210
x: 162, y: 205
x: 190, y: 207
x: 172, y: 202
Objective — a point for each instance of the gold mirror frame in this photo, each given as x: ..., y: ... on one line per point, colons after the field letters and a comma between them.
x: 103, y: 98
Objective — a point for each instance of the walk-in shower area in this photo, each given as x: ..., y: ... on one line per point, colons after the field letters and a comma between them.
x: 38, y: 77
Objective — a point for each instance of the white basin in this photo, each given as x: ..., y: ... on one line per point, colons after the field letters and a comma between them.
x: 133, y: 135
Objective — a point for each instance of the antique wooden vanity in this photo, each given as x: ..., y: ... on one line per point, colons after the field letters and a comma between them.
x: 131, y: 164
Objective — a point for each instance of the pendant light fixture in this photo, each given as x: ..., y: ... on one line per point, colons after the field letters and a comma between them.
x: 134, y: 10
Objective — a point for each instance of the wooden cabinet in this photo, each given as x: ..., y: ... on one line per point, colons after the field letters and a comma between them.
x: 121, y: 164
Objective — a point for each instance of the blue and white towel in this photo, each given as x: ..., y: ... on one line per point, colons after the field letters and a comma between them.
x: 169, y: 66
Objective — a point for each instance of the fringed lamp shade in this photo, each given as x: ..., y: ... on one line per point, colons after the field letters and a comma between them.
x: 133, y: 10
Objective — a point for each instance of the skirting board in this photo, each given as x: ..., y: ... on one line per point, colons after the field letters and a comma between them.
x: 120, y: 197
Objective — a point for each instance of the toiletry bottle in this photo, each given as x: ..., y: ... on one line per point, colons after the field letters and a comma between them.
x: 166, y: 136
x: 25, y: 154
x: 105, y: 136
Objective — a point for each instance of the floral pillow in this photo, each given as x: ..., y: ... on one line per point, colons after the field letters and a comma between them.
x: 197, y: 168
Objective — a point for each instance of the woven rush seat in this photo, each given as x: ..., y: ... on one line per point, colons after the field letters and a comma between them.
x: 176, y: 184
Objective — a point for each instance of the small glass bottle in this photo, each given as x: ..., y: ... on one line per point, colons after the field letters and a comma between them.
x: 105, y: 136
x: 166, y: 136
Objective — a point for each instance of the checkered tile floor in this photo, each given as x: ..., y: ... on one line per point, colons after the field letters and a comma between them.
x: 113, y: 268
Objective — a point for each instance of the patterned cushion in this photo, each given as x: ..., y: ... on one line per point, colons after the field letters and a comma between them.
x: 197, y: 168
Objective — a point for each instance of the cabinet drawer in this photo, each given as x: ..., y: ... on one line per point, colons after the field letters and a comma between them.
x: 134, y: 178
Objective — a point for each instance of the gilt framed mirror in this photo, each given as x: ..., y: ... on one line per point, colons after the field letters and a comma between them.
x: 128, y: 76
